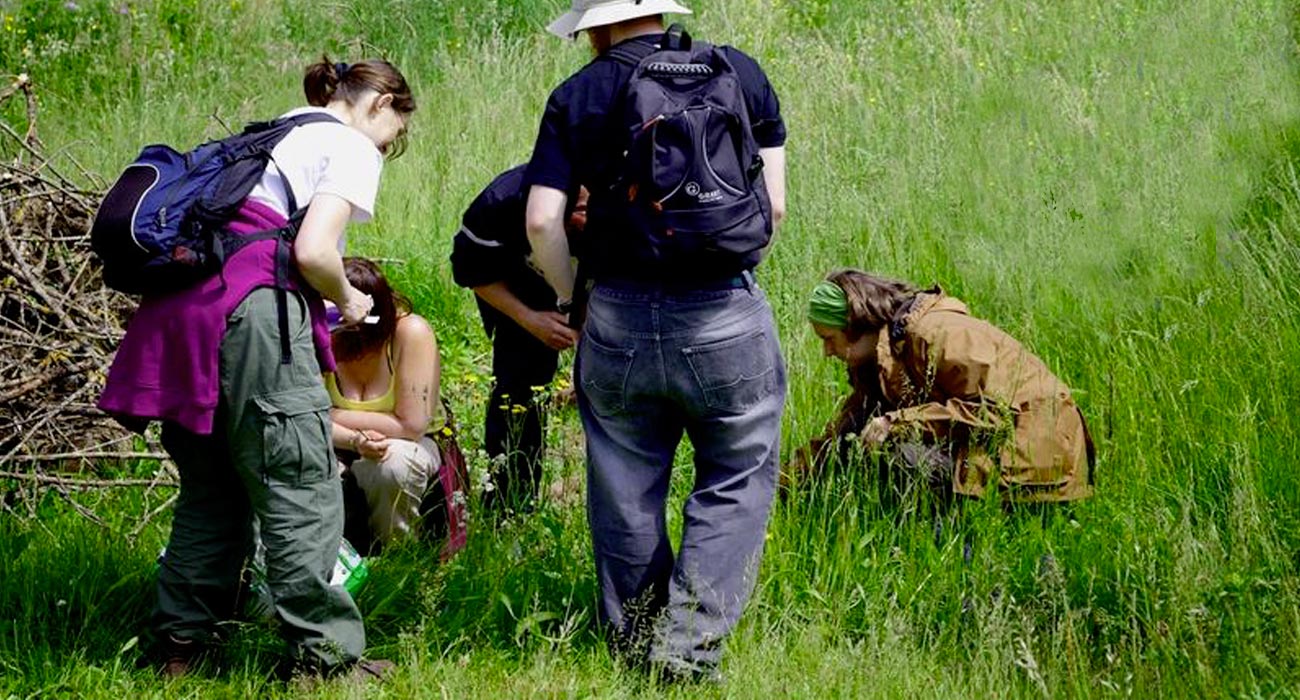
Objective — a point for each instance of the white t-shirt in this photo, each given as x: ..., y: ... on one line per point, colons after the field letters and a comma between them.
x: 323, y: 157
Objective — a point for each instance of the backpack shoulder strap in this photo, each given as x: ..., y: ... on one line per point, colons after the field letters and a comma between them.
x: 625, y: 55
x: 307, y: 118
x: 279, y: 128
x: 676, y: 38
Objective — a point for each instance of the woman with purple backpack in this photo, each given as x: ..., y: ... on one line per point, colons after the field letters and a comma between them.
x: 232, y: 367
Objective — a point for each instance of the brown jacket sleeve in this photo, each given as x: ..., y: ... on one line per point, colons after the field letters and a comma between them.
x: 809, y: 459
x: 955, y: 368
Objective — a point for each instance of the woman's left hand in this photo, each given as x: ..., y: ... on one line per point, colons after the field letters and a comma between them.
x: 372, y: 445
x: 877, y: 431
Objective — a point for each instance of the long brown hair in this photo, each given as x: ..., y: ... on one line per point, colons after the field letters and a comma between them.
x: 874, y: 301
x: 357, y: 341
x: 326, y: 81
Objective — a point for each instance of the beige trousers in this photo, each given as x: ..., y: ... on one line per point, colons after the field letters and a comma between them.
x: 395, y: 485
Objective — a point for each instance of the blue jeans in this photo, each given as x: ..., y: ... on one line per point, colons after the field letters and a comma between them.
x: 652, y: 365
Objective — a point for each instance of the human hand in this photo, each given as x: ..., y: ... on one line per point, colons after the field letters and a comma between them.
x: 371, y: 445
x: 356, y: 306
x: 578, y: 218
x: 551, y: 328
x: 877, y: 431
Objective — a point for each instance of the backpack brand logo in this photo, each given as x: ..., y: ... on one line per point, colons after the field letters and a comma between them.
x: 701, y: 196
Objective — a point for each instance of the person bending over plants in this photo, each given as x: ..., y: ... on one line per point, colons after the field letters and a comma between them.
x: 491, y: 255
x: 949, y: 401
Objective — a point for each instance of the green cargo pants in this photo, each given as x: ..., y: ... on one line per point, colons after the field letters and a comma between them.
x: 269, y: 456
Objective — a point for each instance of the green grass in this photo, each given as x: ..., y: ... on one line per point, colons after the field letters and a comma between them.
x: 1115, y: 183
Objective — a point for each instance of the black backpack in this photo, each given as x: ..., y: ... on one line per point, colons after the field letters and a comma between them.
x: 690, y: 186
x: 161, y: 227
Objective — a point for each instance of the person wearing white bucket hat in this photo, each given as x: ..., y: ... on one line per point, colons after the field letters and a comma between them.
x: 681, y: 145
x: 587, y: 14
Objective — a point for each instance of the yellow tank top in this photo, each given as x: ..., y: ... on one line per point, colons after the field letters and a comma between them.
x: 385, y: 403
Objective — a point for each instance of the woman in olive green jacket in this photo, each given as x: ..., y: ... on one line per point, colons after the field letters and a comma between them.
x: 952, y: 399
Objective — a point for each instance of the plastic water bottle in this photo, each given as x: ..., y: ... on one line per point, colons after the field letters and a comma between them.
x: 350, y: 570
x: 350, y: 573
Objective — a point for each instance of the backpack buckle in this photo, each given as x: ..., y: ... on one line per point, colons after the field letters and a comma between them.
x: 676, y: 38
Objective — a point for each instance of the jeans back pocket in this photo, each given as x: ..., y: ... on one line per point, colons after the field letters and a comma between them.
x: 734, y: 374
x: 603, y: 372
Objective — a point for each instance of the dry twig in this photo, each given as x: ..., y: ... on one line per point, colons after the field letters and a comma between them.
x: 59, y: 328
x: 78, y: 483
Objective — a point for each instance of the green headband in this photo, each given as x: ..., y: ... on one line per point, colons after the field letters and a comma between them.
x: 829, y: 306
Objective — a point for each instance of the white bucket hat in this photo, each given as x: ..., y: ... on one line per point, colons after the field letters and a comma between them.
x: 598, y: 13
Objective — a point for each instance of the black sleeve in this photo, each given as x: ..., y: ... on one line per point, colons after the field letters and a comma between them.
x: 764, y: 105
x: 487, y: 248
x: 552, y: 164
x: 474, y: 264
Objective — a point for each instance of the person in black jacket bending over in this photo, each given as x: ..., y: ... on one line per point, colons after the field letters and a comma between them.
x: 490, y: 255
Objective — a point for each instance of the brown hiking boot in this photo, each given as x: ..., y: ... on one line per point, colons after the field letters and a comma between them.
x: 179, y: 656
x: 371, y: 671
x: 364, y: 672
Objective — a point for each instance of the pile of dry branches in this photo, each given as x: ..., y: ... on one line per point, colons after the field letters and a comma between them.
x: 59, y: 325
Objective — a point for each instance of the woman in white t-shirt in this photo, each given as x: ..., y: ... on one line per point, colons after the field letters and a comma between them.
x: 233, y: 368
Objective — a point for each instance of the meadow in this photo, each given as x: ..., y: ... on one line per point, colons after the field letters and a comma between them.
x: 1116, y: 183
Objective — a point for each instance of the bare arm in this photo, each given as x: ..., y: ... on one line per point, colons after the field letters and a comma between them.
x: 774, y: 178
x: 419, y: 374
x: 367, y: 443
x: 547, y: 326
x: 384, y: 423
x: 345, y: 438
x: 499, y: 297
x: 316, y: 250
x: 545, y: 220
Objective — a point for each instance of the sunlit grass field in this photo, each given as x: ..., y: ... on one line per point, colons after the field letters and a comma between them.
x: 1115, y: 183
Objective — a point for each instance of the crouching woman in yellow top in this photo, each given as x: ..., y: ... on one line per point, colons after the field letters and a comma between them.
x: 953, y: 401
x: 385, y: 398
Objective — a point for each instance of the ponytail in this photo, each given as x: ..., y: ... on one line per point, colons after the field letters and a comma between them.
x: 321, y: 82
x: 326, y: 81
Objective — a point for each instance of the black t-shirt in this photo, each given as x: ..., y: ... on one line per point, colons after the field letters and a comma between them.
x: 492, y: 246
x: 580, y: 140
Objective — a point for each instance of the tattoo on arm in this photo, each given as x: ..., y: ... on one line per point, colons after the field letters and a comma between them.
x: 422, y: 391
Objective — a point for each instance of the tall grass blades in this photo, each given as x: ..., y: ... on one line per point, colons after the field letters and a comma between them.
x: 1115, y: 183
